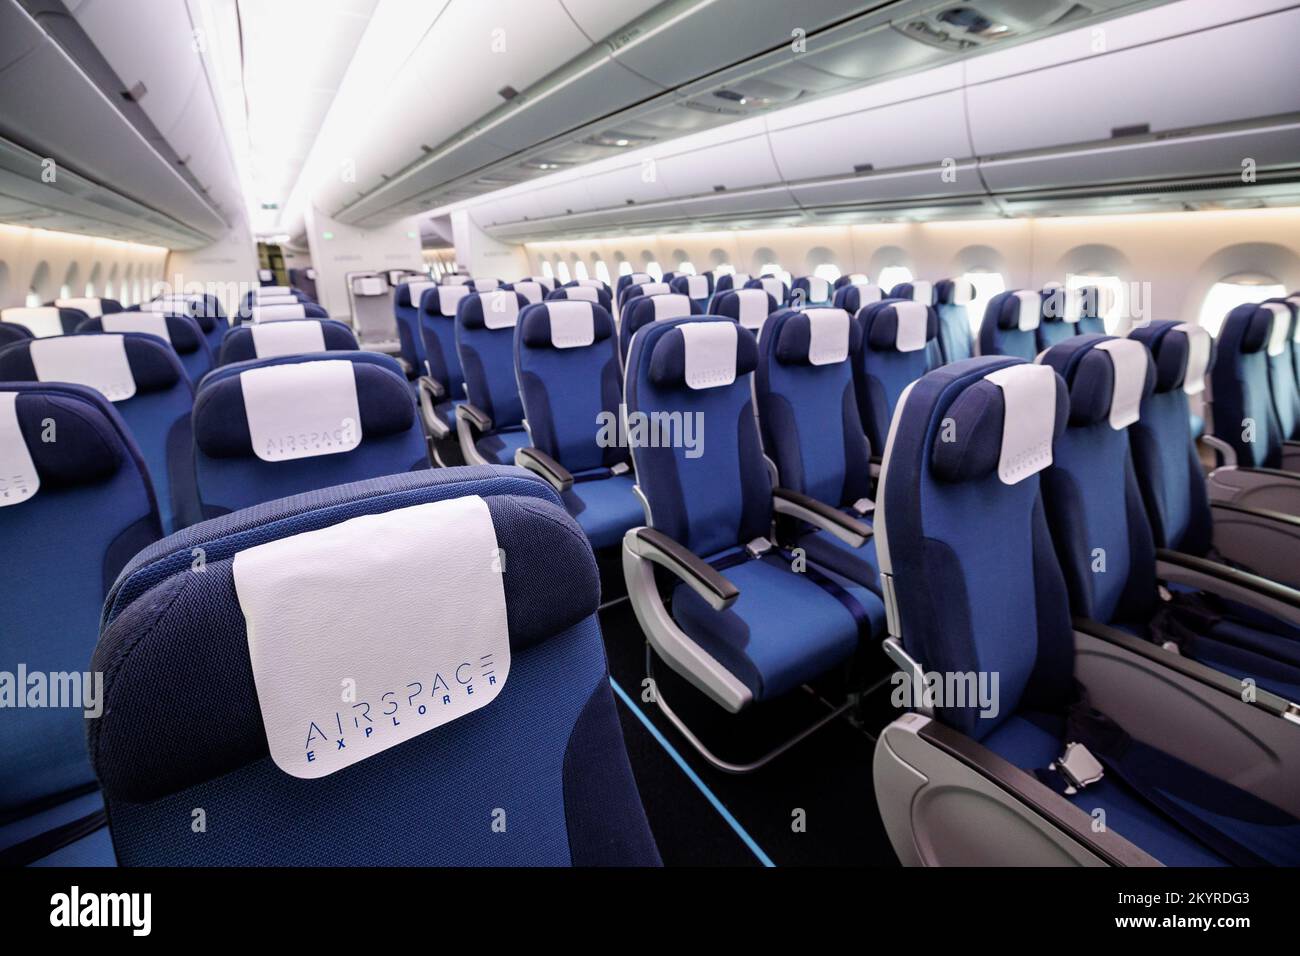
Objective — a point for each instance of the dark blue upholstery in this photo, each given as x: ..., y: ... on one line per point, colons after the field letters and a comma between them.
x: 702, y: 282
x: 1060, y: 316
x: 634, y: 292
x: 775, y: 287
x: 642, y: 310
x: 438, y: 334
x: 158, y: 415
x: 547, y: 749
x: 854, y: 297
x: 882, y: 371
x: 239, y: 346
x: 203, y: 308
x: 750, y: 307
x: 956, y: 342
x: 231, y: 476
x: 811, y: 292
x: 406, y: 310
x: 184, y: 336
x: 1282, y: 369
x: 487, y: 357
x: 567, y: 393
x: 310, y: 310
x: 94, y: 509
x: 1242, y: 387
x: 625, y: 281
x: 530, y: 289
x: 13, y: 332
x: 1005, y: 331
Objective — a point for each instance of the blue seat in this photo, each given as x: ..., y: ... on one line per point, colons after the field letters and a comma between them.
x: 530, y: 289
x: 1247, y: 381
x: 773, y: 286
x: 895, y: 336
x: 745, y: 625
x: 626, y: 281
x: 539, y: 758
x: 13, y: 332
x: 73, y: 510
x: 749, y: 307
x: 1282, y: 368
x: 571, y: 384
x: 811, y: 292
x: 808, y: 413
x: 491, y: 422
x: 1010, y: 325
x: 548, y: 285
x: 245, y: 343
x: 483, y: 284
x: 698, y: 287
x: 582, y: 293
x: 1060, y: 317
x: 853, y: 297
x: 144, y: 379
x: 43, y: 320
x: 732, y: 282
x: 92, y: 305
x: 279, y: 311
x: 634, y: 292
x: 203, y: 308
x: 917, y: 290
x: 406, y: 311
x: 179, y: 331
x: 642, y: 310
x: 442, y: 383
x: 850, y: 278
x: 1104, y: 541
x: 967, y: 555
x: 951, y: 297
x: 1095, y: 303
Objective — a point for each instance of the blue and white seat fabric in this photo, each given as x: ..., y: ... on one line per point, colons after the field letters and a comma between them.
x: 745, y: 626
x: 895, y: 337
x: 534, y: 292
x: 698, y: 287
x: 43, y: 321
x: 811, y: 292
x: 291, y: 337
x: 951, y: 297
x: 812, y: 432
x: 75, y: 505
x: 642, y: 310
x: 484, y: 285
x: 852, y: 278
x: 442, y: 383
x: 918, y: 290
x: 491, y: 423
x: 732, y: 282
x: 205, y: 309
x: 13, y: 332
x: 1062, y: 311
x: 626, y: 281
x: 1104, y: 542
x: 571, y: 384
x: 582, y: 293
x: 178, y: 330
x: 454, y: 279
x: 1251, y: 395
x: 1095, y: 303
x: 280, y: 311
x: 634, y: 292
x: 773, y: 286
x: 494, y: 684
x: 856, y: 296
x: 276, y: 427
x: 1282, y: 368
x: 1070, y: 737
x: 144, y: 380
x: 749, y: 307
x: 1010, y: 325
x: 93, y: 305
x: 548, y: 285
x: 406, y: 310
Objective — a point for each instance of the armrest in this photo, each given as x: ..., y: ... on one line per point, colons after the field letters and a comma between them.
x: 473, y: 416
x: 1227, y: 582
x: 1263, y: 540
x: 1226, y: 453
x: 1291, y: 456
x: 703, y: 580
x: 848, y: 529
x: 428, y: 383
x: 540, y: 463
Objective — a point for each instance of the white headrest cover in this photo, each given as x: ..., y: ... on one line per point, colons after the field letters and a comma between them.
x: 584, y: 293
x: 454, y: 280
x: 1060, y: 302
x: 671, y: 306
x: 91, y: 306
x: 753, y: 308
x: 264, y: 273
x: 1029, y: 395
x: 868, y: 293
x: 369, y: 285
x: 277, y: 313
x: 1130, y: 360
x: 923, y: 291
x: 98, y: 361
x: 532, y: 291
x: 819, y: 290
x: 485, y: 285
x: 266, y: 300
x: 1030, y: 305
x: 41, y: 321
x: 500, y: 309
x: 302, y: 410
x: 313, y: 603
x: 912, y: 320
x: 573, y: 324
x: 858, y: 278
x: 710, y: 353
x: 773, y: 287
x: 544, y: 282
x: 152, y: 323
x: 594, y: 283
x: 416, y: 289
x: 18, y: 478
x: 697, y: 287
x: 1198, y: 357
x: 1280, y: 331
x: 291, y: 337
x: 174, y: 303
x: 738, y: 279
x: 828, y: 336
x: 963, y: 291
x: 449, y: 297
x: 272, y: 290
x: 640, y: 278
x: 655, y: 288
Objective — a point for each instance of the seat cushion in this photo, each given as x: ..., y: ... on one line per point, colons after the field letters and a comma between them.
x: 605, y: 508
x: 499, y: 447
x: 755, y: 638
x: 856, y: 566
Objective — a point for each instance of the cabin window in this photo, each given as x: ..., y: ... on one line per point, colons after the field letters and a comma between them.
x: 562, y: 270
x: 33, y: 299
x: 547, y: 270
x: 986, y: 284
x: 828, y: 271
x: 602, y: 271
x: 1232, y: 291
x: 654, y: 270
x: 891, y: 276
x: 686, y: 267
x: 580, y: 270
x: 1114, y: 298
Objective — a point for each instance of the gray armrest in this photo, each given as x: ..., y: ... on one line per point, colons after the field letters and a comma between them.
x: 431, y: 394
x: 848, y: 529
x: 474, y: 416
x: 704, y: 580
x: 1250, y: 589
x: 1267, y: 542
x: 540, y: 463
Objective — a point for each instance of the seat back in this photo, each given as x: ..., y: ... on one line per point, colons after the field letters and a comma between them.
x: 626, y: 281
x: 276, y: 427
x: 773, y: 286
x: 570, y: 382
x: 959, y: 514
x: 406, y: 310
x: 1099, y: 524
x: 548, y: 285
x: 438, y: 335
x: 179, y: 331
x: 951, y: 297
x: 75, y: 504
x: 749, y: 307
x: 1282, y: 368
x: 731, y: 282
x: 634, y: 292
x: 495, y: 686
x: 43, y: 321
x: 583, y: 293
x: 1010, y: 325
x: 895, y: 336
x: 534, y: 292
x: 485, y: 284
x: 694, y: 439
x: 1095, y: 302
x: 642, y: 310
x: 202, y: 308
x: 293, y: 337
x: 811, y: 292
x: 1169, y: 472
x: 851, y: 278
x: 918, y: 290
x: 143, y: 378
x: 1245, y: 415
x: 853, y: 297
x: 807, y: 405
x: 699, y: 287
x: 13, y: 332
x: 1062, y: 310
x: 485, y: 340
x: 280, y: 311
x: 94, y: 306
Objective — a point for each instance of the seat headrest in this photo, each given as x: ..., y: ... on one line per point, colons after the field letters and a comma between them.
x: 179, y: 329
x: 922, y: 291
x: 1060, y: 304
x: 697, y: 287
x: 819, y: 290
x: 443, y: 299
x: 277, y: 313
x: 272, y: 290
x: 640, y: 278
x: 91, y: 305
x: 749, y: 307
x: 563, y: 324
x: 954, y: 292
x: 1004, y: 423
x: 455, y: 280
x: 1020, y: 310
x: 369, y: 285
x: 594, y: 283
x: 649, y: 288
x: 1181, y: 352
x: 41, y: 321
x: 897, y: 325
x: 485, y: 285
x: 818, y: 337
x: 1279, y: 330
x: 89, y: 447
x: 661, y: 308
x: 853, y: 297
x: 491, y: 310
x: 1107, y: 377
x: 285, y: 411
x: 703, y: 354
x: 582, y: 293
x: 738, y: 279
x: 534, y: 292
x: 409, y: 293
x: 772, y: 285
x: 117, y: 365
